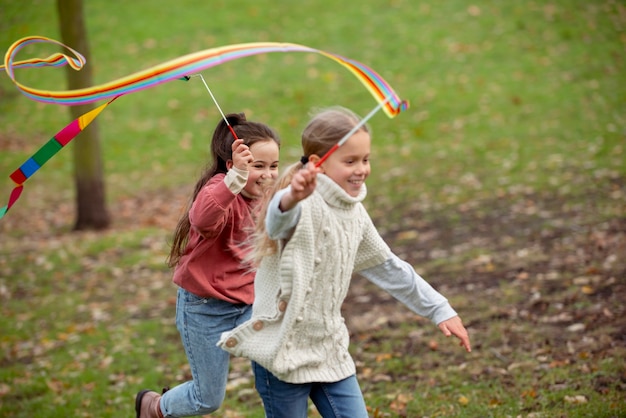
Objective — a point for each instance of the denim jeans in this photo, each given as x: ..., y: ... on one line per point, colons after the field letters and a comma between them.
x: 341, y: 399
x: 200, y: 323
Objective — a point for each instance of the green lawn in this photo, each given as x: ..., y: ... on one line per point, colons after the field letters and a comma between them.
x: 504, y: 183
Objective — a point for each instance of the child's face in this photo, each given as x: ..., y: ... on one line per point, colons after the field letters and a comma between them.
x: 349, y: 166
x: 263, y: 168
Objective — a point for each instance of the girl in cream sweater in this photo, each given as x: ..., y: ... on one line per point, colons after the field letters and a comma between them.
x: 316, y: 235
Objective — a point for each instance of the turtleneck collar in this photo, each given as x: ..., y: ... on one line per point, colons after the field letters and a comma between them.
x: 335, y: 196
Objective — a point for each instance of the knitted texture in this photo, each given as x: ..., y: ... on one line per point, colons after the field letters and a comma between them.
x: 297, y: 331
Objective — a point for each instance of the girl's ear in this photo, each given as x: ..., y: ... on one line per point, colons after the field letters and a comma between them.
x: 229, y: 164
x: 314, y: 158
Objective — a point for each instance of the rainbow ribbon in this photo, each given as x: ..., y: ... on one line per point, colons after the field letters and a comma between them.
x: 175, y: 69
x: 47, y: 151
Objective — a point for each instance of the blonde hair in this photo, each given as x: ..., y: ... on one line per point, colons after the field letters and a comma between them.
x: 325, y: 128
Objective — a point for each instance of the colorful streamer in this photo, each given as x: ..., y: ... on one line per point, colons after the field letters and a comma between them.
x: 47, y: 151
x: 179, y: 68
x: 175, y: 69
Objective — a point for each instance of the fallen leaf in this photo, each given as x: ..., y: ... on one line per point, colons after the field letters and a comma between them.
x: 383, y: 357
x: 588, y: 290
x: 577, y: 399
x: 433, y: 345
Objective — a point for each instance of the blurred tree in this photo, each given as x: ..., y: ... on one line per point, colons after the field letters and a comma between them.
x: 91, y: 210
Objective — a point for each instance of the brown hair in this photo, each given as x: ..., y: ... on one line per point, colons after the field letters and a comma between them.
x: 325, y: 128
x: 221, y: 152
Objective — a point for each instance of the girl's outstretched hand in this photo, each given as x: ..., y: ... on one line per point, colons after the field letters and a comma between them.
x: 241, y: 155
x: 454, y: 326
x: 303, y: 185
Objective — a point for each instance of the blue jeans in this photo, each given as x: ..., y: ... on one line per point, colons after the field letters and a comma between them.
x: 341, y: 399
x: 200, y: 323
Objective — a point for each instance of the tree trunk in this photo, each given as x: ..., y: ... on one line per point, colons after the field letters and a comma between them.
x: 91, y: 210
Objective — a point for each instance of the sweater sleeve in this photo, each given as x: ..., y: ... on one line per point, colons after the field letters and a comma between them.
x: 236, y: 180
x: 279, y: 224
x: 372, y: 248
x: 210, y: 209
x: 399, y: 279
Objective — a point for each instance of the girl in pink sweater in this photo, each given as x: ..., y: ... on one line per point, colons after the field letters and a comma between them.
x: 211, y: 269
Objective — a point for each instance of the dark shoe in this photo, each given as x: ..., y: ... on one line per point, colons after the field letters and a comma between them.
x: 147, y: 404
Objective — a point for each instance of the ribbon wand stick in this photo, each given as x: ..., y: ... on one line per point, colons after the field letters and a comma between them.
x: 352, y: 131
x: 232, y: 131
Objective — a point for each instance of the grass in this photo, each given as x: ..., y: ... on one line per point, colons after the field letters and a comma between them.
x: 503, y: 184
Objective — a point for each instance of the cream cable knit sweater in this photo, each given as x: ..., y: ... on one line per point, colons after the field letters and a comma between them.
x: 296, y: 330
